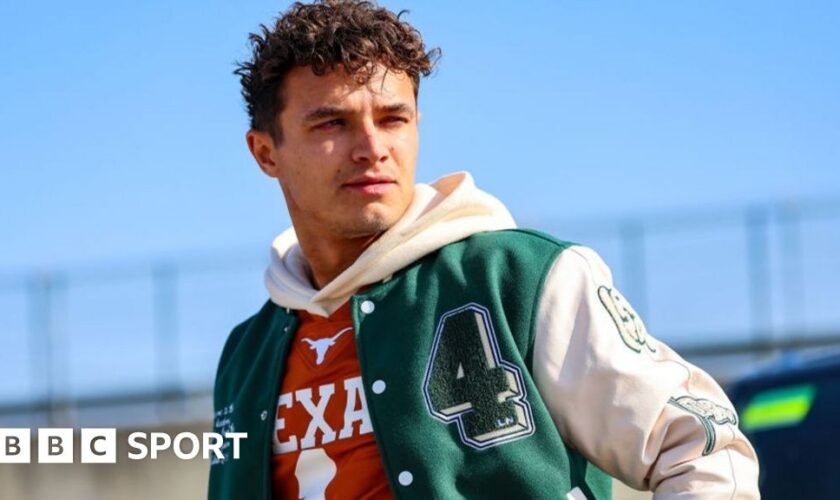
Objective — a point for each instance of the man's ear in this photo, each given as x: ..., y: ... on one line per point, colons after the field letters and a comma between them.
x: 264, y: 151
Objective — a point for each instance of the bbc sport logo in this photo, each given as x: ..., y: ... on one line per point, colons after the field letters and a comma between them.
x: 99, y: 445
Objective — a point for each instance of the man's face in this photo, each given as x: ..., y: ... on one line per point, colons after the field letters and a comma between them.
x: 347, y: 155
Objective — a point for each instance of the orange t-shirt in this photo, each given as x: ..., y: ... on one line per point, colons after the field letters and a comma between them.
x: 323, y: 443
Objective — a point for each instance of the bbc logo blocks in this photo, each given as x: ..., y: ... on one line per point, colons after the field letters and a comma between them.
x: 15, y: 446
x: 99, y: 446
x: 55, y: 446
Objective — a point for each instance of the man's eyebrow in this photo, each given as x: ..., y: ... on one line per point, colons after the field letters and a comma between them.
x: 399, y: 107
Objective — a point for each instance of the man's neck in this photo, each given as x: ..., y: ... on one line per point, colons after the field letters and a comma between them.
x: 329, y: 257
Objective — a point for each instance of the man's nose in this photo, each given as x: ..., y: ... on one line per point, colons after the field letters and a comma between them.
x: 370, y: 147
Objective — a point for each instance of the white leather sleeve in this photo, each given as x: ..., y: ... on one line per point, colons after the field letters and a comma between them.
x: 626, y: 401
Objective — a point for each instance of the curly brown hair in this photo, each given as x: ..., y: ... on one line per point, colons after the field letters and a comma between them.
x: 357, y: 35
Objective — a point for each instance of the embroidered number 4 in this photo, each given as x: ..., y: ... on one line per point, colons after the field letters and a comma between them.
x: 469, y: 383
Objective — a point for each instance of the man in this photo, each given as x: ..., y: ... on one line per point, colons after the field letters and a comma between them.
x: 416, y: 344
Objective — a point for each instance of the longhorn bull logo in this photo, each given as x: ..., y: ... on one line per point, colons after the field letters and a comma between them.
x: 321, y: 346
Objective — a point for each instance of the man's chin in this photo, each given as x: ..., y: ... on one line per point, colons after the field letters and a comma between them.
x: 366, y: 228
x: 370, y: 219
x: 369, y: 224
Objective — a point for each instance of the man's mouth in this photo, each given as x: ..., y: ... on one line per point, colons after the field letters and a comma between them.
x: 370, y: 184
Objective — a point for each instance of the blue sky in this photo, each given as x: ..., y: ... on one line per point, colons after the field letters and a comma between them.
x: 122, y: 128
x: 122, y: 138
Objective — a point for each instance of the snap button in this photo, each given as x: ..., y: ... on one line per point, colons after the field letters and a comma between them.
x: 378, y: 387
x: 264, y: 415
x: 368, y: 307
x: 405, y: 478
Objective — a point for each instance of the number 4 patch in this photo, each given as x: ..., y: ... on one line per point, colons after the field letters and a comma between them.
x: 467, y: 381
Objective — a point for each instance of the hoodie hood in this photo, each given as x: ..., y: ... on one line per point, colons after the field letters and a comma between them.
x: 450, y: 209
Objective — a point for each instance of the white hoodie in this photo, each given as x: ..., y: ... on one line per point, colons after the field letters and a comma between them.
x: 626, y: 401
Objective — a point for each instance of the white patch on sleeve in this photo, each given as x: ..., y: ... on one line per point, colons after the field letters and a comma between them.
x: 630, y: 326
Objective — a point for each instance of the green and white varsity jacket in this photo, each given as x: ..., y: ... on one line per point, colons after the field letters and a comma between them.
x: 496, y: 363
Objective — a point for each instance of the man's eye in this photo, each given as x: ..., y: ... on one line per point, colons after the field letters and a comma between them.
x: 330, y: 124
x: 395, y: 119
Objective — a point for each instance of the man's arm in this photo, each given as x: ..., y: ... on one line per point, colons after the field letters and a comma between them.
x: 626, y: 401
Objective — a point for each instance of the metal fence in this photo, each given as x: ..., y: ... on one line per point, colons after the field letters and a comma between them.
x: 730, y: 284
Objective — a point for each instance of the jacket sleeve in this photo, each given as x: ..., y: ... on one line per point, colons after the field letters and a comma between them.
x: 626, y: 401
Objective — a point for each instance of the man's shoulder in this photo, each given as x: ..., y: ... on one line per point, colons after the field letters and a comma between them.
x: 521, y: 253
x: 523, y: 239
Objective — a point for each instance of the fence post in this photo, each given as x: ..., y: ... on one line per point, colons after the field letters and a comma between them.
x: 166, y: 331
x: 43, y: 339
x: 40, y: 352
x: 793, y: 287
x: 758, y: 266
